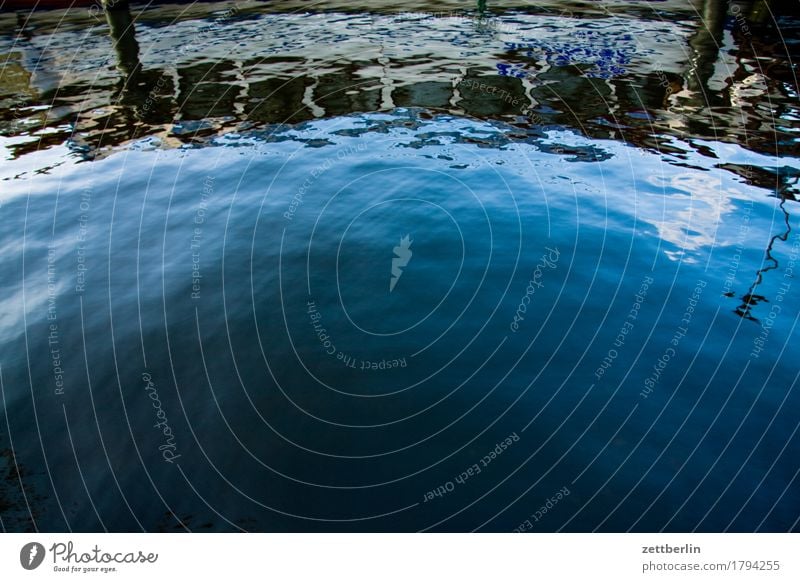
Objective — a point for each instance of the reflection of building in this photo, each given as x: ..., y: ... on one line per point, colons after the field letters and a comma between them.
x: 263, y: 67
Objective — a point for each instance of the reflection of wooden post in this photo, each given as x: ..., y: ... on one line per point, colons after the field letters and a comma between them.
x: 123, y: 33
x: 705, y: 43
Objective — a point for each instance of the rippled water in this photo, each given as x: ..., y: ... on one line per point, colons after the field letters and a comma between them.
x: 450, y: 269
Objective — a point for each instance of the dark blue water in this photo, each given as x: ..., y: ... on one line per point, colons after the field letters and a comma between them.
x: 398, y: 315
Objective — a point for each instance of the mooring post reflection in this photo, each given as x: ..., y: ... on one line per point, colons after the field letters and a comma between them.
x: 123, y: 32
x: 705, y: 44
x: 141, y: 93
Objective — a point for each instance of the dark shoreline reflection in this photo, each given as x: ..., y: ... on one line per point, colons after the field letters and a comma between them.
x: 210, y: 92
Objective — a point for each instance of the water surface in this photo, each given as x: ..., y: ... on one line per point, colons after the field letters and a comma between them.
x: 444, y: 269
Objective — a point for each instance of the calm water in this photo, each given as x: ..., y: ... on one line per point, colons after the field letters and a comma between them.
x: 348, y: 269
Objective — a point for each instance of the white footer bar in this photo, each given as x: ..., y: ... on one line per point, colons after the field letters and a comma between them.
x: 400, y: 557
